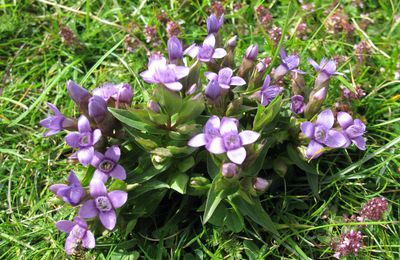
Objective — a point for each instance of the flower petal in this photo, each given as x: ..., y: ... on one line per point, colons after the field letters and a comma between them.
x: 345, y: 120
x: 70, y: 245
x: 97, y: 159
x: 326, y: 118
x: 198, y: 140
x: 209, y: 40
x: 148, y: 76
x: 113, y: 153
x: 359, y: 142
x: 72, y: 179
x: 237, y: 81
x: 219, y: 53
x: 85, y: 155
x: 314, y: 64
x: 65, y: 225
x: 75, y: 195
x: 84, y: 125
x: 88, y: 240
x: 118, y: 172
x: 73, y: 139
x: 108, y: 219
x: 228, y: 125
x: 360, y: 124
x: 97, y: 188
x: 248, y: 137
x: 216, y: 146
x: 314, y: 150
x: 96, y: 136
x: 56, y: 187
x: 335, y: 139
x: 308, y: 129
x: 100, y: 176
x: 210, y: 75
x: 181, y: 71
x: 174, y: 86
x: 88, y: 210
x: 237, y: 156
x: 192, y: 51
x: 118, y: 198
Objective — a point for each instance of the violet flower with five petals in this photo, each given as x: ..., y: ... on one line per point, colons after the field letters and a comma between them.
x: 175, y: 50
x: 72, y: 193
x: 268, y: 93
x: 288, y: 63
x: 297, y: 105
x: 106, y: 165
x: 57, y: 122
x: 352, y: 130
x: 121, y: 93
x: 213, y: 24
x: 84, y: 140
x: 207, y: 51
x: 321, y: 134
x: 166, y: 74
x: 103, y: 204
x: 78, y: 233
x: 225, y: 78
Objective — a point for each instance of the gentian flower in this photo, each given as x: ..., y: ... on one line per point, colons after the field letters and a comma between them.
x: 57, y: 122
x: 79, y: 95
x: 224, y: 78
x: 229, y: 170
x: 78, y: 233
x: 103, y: 204
x: 213, y: 24
x: 154, y: 106
x: 261, y: 184
x: 121, y: 93
x: 297, y: 106
x: 228, y: 141
x: 97, y: 108
x: 207, y: 51
x: 213, y: 90
x: 352, y: 130
x: 210, y: 130
x: 166, y: 74
x: 322, y: 134
x: 288, y: 63
x: 106, y: 165
x: 175, y: 50
x: 85, y: 139
x: 326, y: 69
x: 72, y: 193
x: 268, y: 93
x: 252, y: 52
x: 232, y: 42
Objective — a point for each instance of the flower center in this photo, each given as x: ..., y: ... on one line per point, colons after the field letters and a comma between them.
x: 103, y: 203
x: 85, y: 139
x: 106, y: 165
x: 78, y: 232
x: 165, y: 74
x: 320, y: 134
x: 232, y: 141
x: 206, y: 52
x: 354, y: 131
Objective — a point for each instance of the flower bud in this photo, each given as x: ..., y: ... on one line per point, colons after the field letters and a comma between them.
x: 124, y: 93
x: 213, y: 90
x: 191, y: 90
x: 229, y: 170
x: 213, y: 24
x: 153, y: 106
x: 79, y: 95
x: 231, y: 43
x: 97, y: 108
x: 175, y: 50
x: 297, y: 106
x: 252, y: 52
x: 261, y: 184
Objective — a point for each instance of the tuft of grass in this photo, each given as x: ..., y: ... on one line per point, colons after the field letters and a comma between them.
x: 35, y: 64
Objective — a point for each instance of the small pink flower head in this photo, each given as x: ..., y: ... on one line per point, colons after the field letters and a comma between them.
x: 374, y: 209
x: 350, y: 243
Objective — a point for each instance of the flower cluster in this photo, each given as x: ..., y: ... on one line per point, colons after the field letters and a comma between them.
x: 374, y: 209
x: 350, y: 243
x: 88, y: 143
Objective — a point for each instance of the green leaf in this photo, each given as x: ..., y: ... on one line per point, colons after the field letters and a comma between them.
x: 257, y: 165
x: 255, y: 212
x: 186, y: 164
x: 348, y: 85
x: 212, y: 169
x: 214, y: 197
x: 233, y: 220
x: 117, y: 185
x: 170, y: 101
x: 190, y: 110
x: 179, y: 182
x: 266, y: 115
x: 150, y: 185
x: 295, y: 155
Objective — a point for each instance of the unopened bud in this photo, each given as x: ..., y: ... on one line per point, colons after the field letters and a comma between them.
x: 261, y: 184
x: 79, y: 95
x: 153, y: 106
x: 229, y: 170
x: 252, y: 52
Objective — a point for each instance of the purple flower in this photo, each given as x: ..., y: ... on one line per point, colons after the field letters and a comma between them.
x: 374, y: 209
x: 121, y: 93
x: 232, y: 42
x: 213, y: 90
x: 352, y: 130
x: 224, y: 78
x: 326, y: 69
x: 103, y: 204
x: 268, y: 93
x: 162, y: 73
x: 226, y: 139
x: 79, y: 95
x: 97, y: 108
x: 261, y: 184
x: 252, y: 52
x: 297, y: 106
x: 207, y: 51
x: 350, y: 243
x: 154, y: 106
x: 322, y: 134
x: 72, y: 193
x: 229, y: 170
x: 78, y: 233
x: 57, y: 122
x: 106, y: 165
x: 288, y: 63
x: 213, y: 24
x: 175, y: 50
x: 85, y: 139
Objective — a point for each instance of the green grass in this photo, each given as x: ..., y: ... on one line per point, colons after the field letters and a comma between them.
x: 35, y: 65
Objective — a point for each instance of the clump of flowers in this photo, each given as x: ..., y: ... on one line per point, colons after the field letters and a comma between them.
x: 204, y: 126
x: 374, y: 209
x: 350, y: 243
